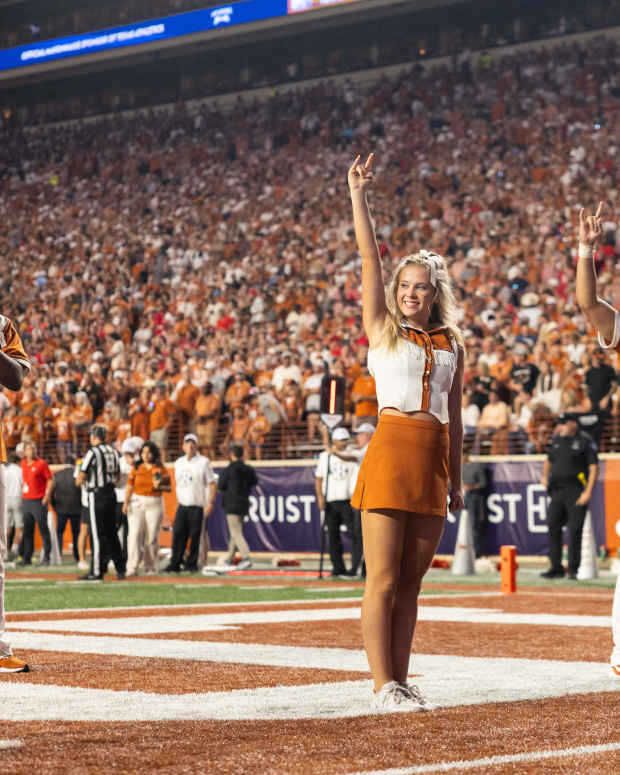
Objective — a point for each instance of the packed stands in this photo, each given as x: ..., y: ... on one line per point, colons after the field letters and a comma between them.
x: 195, y: 267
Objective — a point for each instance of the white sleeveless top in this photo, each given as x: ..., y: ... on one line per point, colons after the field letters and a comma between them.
x: 417, y: 375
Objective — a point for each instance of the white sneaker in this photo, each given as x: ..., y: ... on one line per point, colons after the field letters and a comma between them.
x: 416, y: 696
x: 392, y: 697
x: 83, y: 565
x: 244, y: 564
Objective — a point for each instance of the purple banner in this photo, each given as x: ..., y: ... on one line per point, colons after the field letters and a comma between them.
x: 285, y: 517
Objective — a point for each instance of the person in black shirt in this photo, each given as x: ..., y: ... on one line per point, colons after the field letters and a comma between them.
x: 600, y: 380
x: 475, y: 484
x: 66, y: 500
x: 569, y: 474
x: 236, y: 482
x: 523, y: 374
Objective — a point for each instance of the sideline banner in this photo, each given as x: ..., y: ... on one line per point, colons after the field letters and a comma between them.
x: 285, y: 518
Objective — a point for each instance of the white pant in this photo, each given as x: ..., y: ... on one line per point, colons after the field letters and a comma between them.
x: 144, y: 517
x: 615, y: 623
x: 5, y: 649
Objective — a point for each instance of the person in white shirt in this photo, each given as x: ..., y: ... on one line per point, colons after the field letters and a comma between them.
x: 334, y: 478
x: 14, y: 510
x: 287, y: 370
x: 411, y: 472
x: 129, y: 450
x: 363, y: 435
x: 195, y: 492
x: 606, y: 320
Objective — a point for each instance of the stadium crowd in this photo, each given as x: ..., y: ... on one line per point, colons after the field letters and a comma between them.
x: 196, y: 270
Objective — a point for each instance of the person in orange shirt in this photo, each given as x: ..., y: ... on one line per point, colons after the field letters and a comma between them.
x: 207, y: 411
x: 109, y: 422
x: 292, y: 401
x: 12, y: 432
x: 26, y: 424
x: 123, y: 429
x: 82, y: 418
x: 144, y: 507
x: 65, y: 433
x: 237, y: 432
x: 501, y: 371
x: 238, y: 390
x: 364, y: 397
x: 185, y: 396
x: 14, y: 365
x: 162, y: 411
x: 257, y: 431
x: 139, y: 419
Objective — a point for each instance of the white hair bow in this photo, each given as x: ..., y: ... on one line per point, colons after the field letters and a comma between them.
x: 434, y: 263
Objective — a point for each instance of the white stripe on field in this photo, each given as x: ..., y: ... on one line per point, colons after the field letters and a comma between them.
x: 173, y: 606
x: 207, y: 622
x: 446, y: 680
x: 491, y: 761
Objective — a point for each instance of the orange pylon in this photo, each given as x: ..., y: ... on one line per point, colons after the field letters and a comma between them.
x: 508, y: 566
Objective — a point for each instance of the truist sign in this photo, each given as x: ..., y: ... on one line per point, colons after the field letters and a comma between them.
x: 285, y: 516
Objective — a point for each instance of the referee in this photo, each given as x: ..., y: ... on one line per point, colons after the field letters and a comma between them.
x: 99, y: 474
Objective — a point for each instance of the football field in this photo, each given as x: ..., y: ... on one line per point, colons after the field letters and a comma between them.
x: 236, y: 675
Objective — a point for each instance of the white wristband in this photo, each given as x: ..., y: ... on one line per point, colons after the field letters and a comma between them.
x: 586, y: 251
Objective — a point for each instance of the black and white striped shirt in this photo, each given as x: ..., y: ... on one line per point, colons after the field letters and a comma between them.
x: 101, y: 465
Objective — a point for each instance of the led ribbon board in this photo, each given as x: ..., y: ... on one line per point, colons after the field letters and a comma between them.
x: 142, y: 32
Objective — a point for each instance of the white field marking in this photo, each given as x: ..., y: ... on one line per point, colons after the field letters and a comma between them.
x: 22, y: 587
x: 26, y: 580
x: 144, y: 625
x: 236, y: 604
x: 491, y: 761
x: 200, y: 651
x: 270, y: 586
x: 195, y: 586
x: 173, y: 606
x: 447, y: 680
x: 15, y: 743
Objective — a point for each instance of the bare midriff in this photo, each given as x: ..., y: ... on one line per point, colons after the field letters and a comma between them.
x: 418, y: 415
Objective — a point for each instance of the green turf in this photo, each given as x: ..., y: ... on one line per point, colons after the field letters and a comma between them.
x: 51, y: 595
x: 32, y: 589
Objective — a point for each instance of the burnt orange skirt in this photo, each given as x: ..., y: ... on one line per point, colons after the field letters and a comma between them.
x: 405, y: 467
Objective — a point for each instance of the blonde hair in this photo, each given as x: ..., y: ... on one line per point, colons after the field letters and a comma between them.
x: 443, y: 310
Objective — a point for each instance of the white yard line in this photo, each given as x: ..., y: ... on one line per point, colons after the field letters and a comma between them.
x: 447, y: 680
x: 173, y: 606
x: 144, y: 625
x: 492, y: 761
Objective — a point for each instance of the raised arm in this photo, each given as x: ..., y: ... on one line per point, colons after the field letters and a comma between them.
x: 598, y: 313
x: 373, y: 293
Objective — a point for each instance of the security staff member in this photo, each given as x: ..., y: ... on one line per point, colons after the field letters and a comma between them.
x: 569, y: 474
x: 100, y: 473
